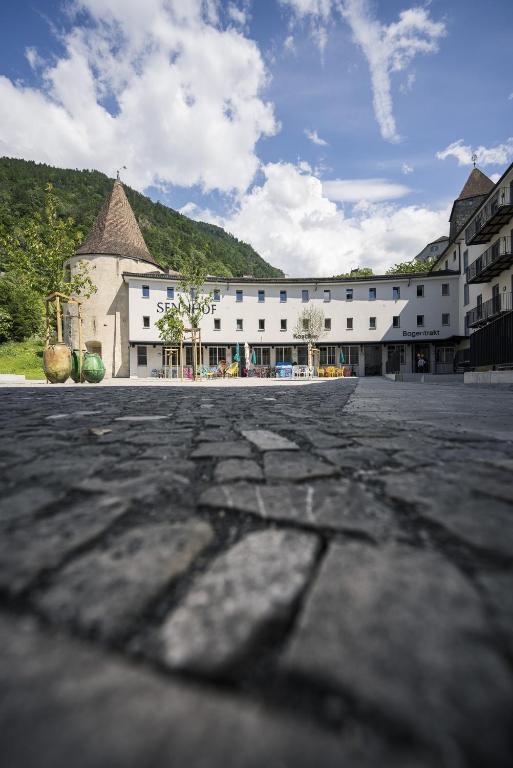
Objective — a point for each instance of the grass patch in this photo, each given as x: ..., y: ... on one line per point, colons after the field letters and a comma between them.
x: 22, y: 357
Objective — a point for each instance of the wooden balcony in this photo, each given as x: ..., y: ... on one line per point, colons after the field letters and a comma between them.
x: 491, y: 262
x: 491, y: 218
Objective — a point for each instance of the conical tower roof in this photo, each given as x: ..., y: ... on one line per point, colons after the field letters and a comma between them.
x: 476, y: 184
x: 115, y: 230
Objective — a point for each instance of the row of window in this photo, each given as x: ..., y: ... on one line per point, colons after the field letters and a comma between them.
x: 305, y: 294
x: 396, y: 323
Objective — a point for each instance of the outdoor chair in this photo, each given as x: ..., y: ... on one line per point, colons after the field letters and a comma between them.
x: 320, y: 372
x: 232, y: 370
x: 330, y: 371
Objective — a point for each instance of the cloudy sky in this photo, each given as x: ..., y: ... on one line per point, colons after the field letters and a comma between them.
x: 329, y: 134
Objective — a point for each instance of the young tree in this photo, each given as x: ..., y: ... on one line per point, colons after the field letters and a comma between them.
x: 359, y: 272
x: 310, y: 328
x: 33, y: 256
x: 190, y: 305
x: 409, y: 267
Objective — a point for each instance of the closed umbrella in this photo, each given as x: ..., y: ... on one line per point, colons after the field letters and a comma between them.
x: 246, y: 353
x: 236, y: 357
x: 342, y: 358
x: 253, y: 357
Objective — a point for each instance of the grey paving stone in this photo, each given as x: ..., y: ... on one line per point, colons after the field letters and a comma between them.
x: 292, y: 466
x: 356, y: 457
x: 401, y: 630
x: 321, y: 439
x: 88, y: 710
x: 484, y: 522
x: 265, y: 440
x: 498, y: 595
x: 106, y: 589
x: 244, y: 589
x: 222, y: 450
x: 25, y: 552
x: 341, y: 505
x: 237, y: 469
x: 26, y: 503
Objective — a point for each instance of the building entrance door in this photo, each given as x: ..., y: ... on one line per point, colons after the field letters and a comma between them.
x: 373, y: 360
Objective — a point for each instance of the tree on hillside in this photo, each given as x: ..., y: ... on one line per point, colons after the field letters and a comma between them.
x: 310, y: 328
x: 409, y: 267
x: 358, y: 272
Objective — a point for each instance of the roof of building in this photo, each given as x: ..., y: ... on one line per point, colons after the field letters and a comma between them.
x: 115, y: 230
x: 298, y: 280
x: 476, y: 184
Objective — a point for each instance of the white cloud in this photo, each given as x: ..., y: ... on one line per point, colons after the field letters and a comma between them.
x: 501, y: 154
x: 318, y: 12
x: 184, y: 96
x: 355, y: 190
x: 510, y: 97
x: 305, y: 233
x: 315, y: 138
x: 406, y: 168
x: 33, y: 58
x: 390, y: 48
x: 289, y: 44
x: 409, y: 83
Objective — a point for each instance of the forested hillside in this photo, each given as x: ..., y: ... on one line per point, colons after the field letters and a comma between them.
x: 167, y: 233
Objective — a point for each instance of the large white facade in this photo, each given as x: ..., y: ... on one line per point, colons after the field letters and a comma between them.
x: 365, y: 318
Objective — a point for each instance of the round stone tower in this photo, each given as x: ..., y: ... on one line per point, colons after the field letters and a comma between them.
x: 114, y: 245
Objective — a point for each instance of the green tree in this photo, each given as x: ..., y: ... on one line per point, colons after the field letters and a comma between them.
x: 409, y: 267
x: 190, y: 304
x: 310, y: 328
x: 21, y: 308
x: 358, y: 272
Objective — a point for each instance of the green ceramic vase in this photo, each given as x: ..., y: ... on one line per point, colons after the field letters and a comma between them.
x: 75, y: 367
x: 93, y: 368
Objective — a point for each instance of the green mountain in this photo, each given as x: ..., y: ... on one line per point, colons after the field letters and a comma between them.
x: 168, y: 234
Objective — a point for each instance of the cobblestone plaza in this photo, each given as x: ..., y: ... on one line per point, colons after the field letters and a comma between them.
x: 282, y: 576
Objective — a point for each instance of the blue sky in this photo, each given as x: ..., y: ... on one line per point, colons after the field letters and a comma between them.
x: 328, y: 133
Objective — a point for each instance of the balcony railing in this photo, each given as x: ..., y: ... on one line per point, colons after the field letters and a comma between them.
x: 491, y: 262
x: 489, y: 310
x: 491, y: 218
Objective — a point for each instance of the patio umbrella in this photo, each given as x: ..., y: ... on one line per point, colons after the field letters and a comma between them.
x: 253, y: 357
x: 246, y: 353
x: 236, y: 357
x: 342, y: 358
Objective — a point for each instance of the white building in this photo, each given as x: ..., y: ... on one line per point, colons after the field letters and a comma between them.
x: 480, y: 249
x: 380, y: 323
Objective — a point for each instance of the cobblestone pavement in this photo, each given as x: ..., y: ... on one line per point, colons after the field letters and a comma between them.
x: 257, y: 578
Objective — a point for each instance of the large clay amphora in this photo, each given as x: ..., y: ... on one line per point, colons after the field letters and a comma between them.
x: 93, y: 368
x: 57, y: 363
x: 75, y: 365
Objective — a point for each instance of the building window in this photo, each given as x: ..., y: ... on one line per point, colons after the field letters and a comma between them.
x: 327, y: 355
x: 302, y: 354
x: 327, y: 294
x: 239, y: 325
x: 351, y: 354
x: 146, y: 291
x: 396, y: 321
x: 261, y: 297
x: 283, y: 325
x: 349, y: 294
x: 394, y: 349
x: 217, y: 294
x: 215, y: 355
x: 284, y: 355
x: 283, y: 297
x: 465, y: 259
x: 349, y: 323
x: 372, y: 294
x: 305, y: 295
x: 170, y: 293
x: 420, y: 291
x: 146, y: 321
x: 466, y: 297
x: 446, y: 318
x: 372, y: 323
x: 454, y: 256
x: 420, y: 321
x: 396, y: 293
x: 263, y: 355
x: 306, y: 324
x: 238, y: 295
x: 445, y: 289
x: 217, y: 324
x: 447, y: 263
x: 142, y: 356
x: 261, y: 325
x: 327, y: 323
x: 444, y: 355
